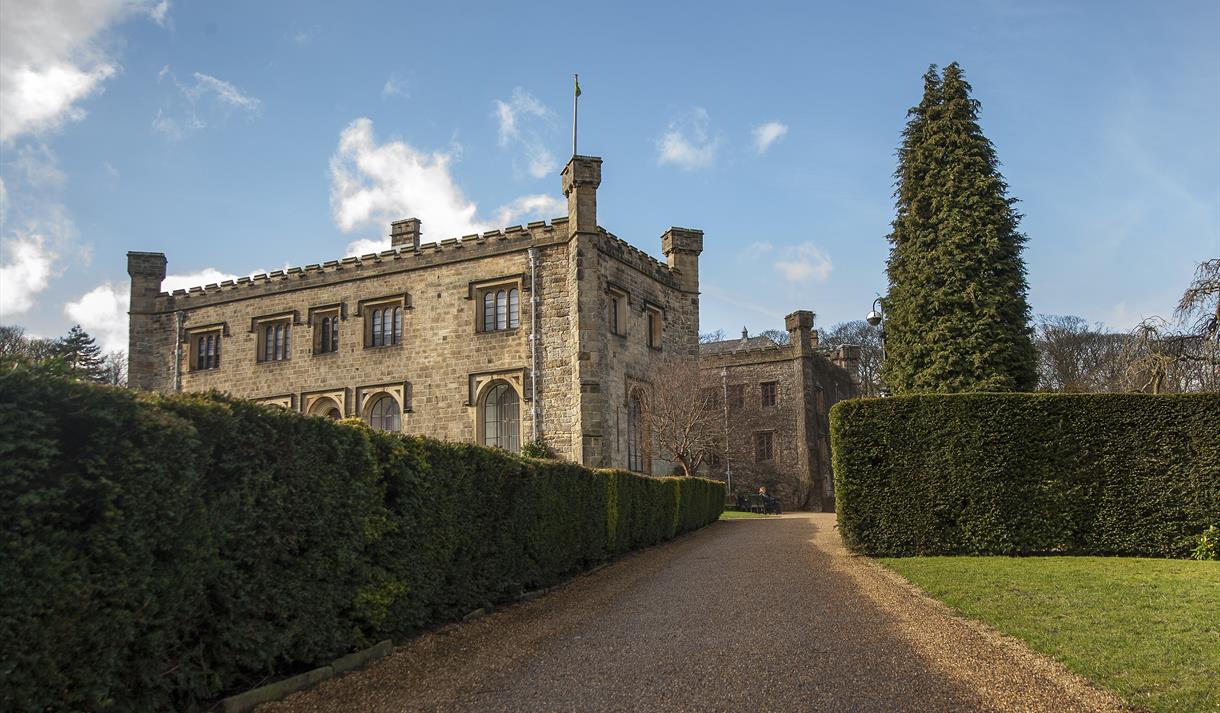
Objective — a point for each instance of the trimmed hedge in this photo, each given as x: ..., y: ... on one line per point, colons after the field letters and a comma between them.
x: 160, y: 552
x: 1012, y: 474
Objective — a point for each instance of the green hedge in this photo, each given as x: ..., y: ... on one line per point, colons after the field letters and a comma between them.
x: 159, y: 552
x: 1125, y: 474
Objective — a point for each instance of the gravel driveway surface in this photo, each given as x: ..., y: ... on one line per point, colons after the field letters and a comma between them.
x: 769, y: 615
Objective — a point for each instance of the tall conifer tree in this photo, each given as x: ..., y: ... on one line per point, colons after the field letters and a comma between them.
x: 82, y: 355
x: 957, y: 318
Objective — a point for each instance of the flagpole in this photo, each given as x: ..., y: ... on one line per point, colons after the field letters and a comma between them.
x: 575, y: 102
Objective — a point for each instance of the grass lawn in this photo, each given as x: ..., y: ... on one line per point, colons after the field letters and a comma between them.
x: 1147, y: 629
x: 738, y: 515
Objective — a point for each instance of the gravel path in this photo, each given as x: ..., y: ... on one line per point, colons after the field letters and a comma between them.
x: 768, y: 615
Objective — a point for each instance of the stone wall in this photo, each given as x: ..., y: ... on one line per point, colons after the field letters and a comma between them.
x: 808, y: 384
x: 444, y: 361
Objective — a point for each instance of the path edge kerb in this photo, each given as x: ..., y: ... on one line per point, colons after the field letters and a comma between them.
x: 247, y: 701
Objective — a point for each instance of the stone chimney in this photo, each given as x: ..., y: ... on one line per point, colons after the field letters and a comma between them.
x: 847, y: 357
x: 800, y: 330
x: 405, y: 233
x: 681, y: 247
x: 581, y: 177
x: 144, y: 333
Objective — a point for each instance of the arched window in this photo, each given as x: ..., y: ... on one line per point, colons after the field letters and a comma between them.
x: 502, y: 417
x: 636, y: 437
x: 384, y: 414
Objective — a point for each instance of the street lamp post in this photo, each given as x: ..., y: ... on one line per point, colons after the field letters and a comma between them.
x: 875, y: 317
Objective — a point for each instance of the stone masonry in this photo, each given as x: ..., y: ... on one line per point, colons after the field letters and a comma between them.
x: 572, y: 387
x: 781, y: 395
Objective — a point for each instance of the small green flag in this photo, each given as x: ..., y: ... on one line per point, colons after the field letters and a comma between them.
x: 577, y: 80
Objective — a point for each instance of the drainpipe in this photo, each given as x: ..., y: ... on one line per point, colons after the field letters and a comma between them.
x: 535, y: 410
x: 728, y: 463
x: 181, y: 319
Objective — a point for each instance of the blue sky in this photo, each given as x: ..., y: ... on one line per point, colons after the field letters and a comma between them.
x: 238, y: 137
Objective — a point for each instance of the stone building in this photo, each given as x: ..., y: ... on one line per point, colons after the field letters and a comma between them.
x: 546, y: 331
x: 776, y: 400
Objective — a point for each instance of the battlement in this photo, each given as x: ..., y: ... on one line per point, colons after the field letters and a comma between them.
x: 407, y: 257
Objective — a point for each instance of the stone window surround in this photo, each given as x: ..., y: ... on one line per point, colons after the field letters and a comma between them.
x: 480, y: 436
x: 313, y: 319
x: 258, y: 326
x: 365, y: 307
x: 311, y: 399
x: 758, y: 441
x: 284, y: 401
x: 400, y: 391
x: 191, y: 336
x: 768, y: 394
x: 643, y: 390
x: 656, y: 324
x: 617, y: 308
x: 482, y: 383
x: 476, y: 289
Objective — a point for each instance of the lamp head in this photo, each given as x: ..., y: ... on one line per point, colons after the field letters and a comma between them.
x: 873, y: 318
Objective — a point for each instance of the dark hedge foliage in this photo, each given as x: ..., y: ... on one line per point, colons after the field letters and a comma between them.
x: 1013, y: 474
x: 159, y: 552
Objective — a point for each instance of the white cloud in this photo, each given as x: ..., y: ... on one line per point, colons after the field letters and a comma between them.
x: 373, y: 184
x: 768, y: 134
x: 525, y: 122
x: 759, y: 248
x: 804, y: 262
x: 225, y: 92
x: 537, y: 207
x: 39, y: 166
x: 3, y: 202
x: 365, y: 246
x: 206, y: 102
x: 29, y: 253
x: 159, y: 14
x: 102, y: 311
x: 26, y: 266
x: 687, y: 143
x: 51, y: 58
x: 394, y: 87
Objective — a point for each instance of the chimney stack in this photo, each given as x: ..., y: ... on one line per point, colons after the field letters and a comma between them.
x: 581, y: 177
x: 405, y: 233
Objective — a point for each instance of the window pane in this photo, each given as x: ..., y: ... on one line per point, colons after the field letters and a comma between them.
x: 507, y: 405
x: 513, y: 309
x: 489, y: 312
x: 216, y: 363
x: 397, y: 325
x: 376, y: 327
x: 334, y: 334
x: 501, y: 310
x: 325, y: 335
x: 268, y: 343
x: 285, y: 353
x: 491, y: 418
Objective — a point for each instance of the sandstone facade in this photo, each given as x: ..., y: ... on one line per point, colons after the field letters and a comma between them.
x: 777, y: 398
x: 576, y: 319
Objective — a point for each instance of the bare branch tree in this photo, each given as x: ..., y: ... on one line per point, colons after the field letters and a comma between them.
x: 1200, y: 302
x: 716, y: 336
x: 868, y: 338
x: 114, y: 369
x: 684, y: 416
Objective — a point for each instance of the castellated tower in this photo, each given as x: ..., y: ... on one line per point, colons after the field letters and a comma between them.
x: 543, y: 331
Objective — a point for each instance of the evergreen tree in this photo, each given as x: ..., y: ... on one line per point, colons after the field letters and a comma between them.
x: 957, y: 318
x: 82, y: 355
